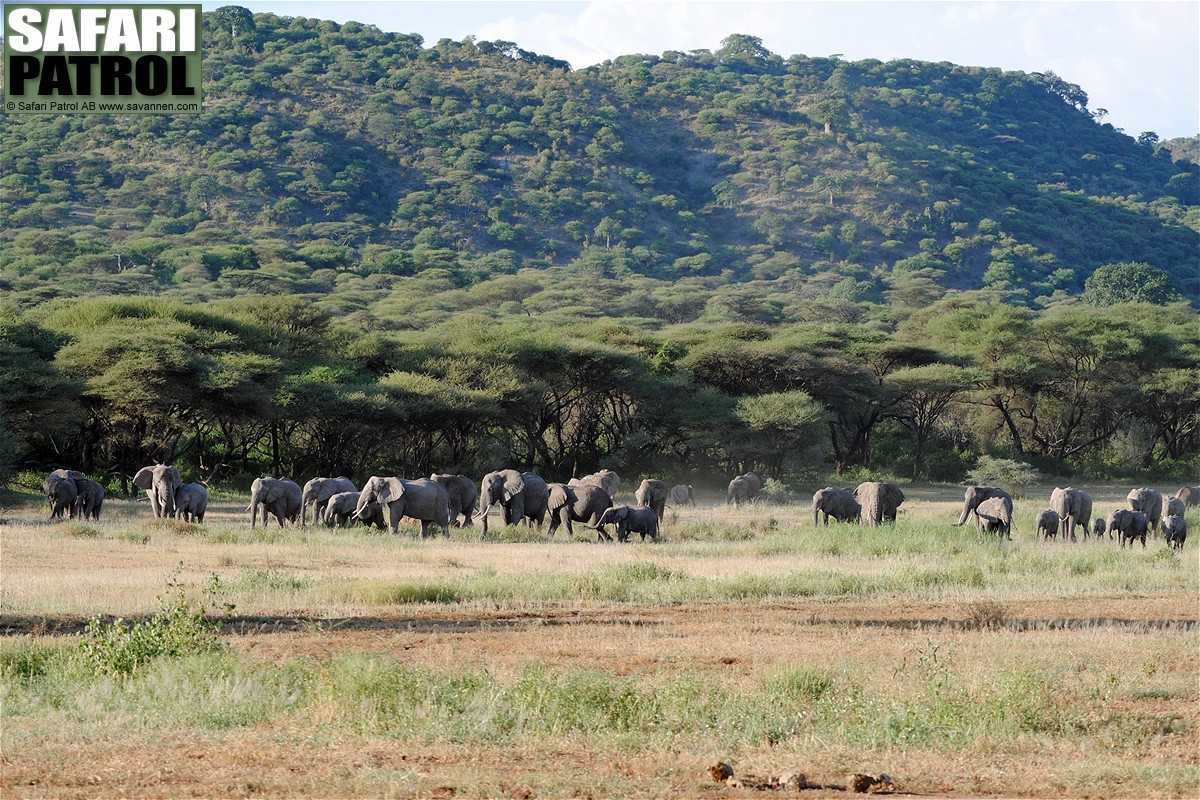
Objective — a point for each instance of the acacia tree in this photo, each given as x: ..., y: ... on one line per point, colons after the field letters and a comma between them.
x: 777, y: 427
x: 1129, y: 282
x: 922, y: 397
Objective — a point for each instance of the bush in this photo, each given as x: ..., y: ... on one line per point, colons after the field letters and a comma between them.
x: 1012, y: 476
x: 120, y: 649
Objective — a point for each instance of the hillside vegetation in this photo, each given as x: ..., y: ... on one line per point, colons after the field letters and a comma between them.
x: 369, y: 254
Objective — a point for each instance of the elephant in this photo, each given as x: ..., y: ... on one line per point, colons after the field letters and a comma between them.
x: 743, y: 489
x: 462, y: 493
x: 1047, y: 525
x: 89, y: 495
x: 681, y: 495
x: 606, y: 479
x: 90, y: 498
x: 521, y: 495
x: 1129, y: 525
x: 1074, y: 508
x: 1149, y: 502
x: 880, y: 501
x: 317, y: 493
x: 652, y: 493
x: 423, y: 500
x: 191, y: 500
x: 340, y: 510
x: 160, y: 482
x: 1190, y: 495
x: 1098, y: 528
x: 582, y: 503
x: 1173, y: 507
x: 976, y: 495
x: 1174, y: 528
x: 994, y: 516
x: 279, y: 496
x: 837, y: 503
x: 639, y: 519
x: 62, y: 494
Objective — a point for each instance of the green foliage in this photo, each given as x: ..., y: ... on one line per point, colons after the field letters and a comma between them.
x: 178, y: 628
x: 1129, y: 283
x: 1012, y: 476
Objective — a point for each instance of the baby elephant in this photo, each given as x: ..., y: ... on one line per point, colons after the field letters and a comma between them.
x: 191, y: 501
x: 1098, y: 528
x: 1175, y: 530
x: 638, y: 519
x: 1047, y: 524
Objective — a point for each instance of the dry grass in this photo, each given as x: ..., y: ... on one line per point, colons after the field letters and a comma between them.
x: 894, y: 641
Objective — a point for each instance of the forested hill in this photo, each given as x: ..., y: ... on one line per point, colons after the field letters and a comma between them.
x: 328, y: 149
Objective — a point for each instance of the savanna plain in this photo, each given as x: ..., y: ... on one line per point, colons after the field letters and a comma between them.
x: 157, y: 658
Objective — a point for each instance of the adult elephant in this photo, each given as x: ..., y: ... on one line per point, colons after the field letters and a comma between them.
x: 738, y: 492
x: 681, y: 495
x: 582, y: 503
x: 879, y: 501
x: 639, y: 519
x: 521, y: 495
x: 61, y: 493
x: 1074, y: 509
x: 1190, y: 495
x: 278, y: 496
x: 994, y: 516
x: 1149, y: 502
x: 191, y: 500
x: 423, y: 500
x: 976, y: 495
x: 652, y: 493
x: 606, y: 479
x: 160, y: 482
x: 753, y: 485
x: 317, y: 493
x: 462, y: 493
x: 837, y: 503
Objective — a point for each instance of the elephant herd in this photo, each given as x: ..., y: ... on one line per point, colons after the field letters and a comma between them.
x: 1071, y: 508
x: 71, y: 493
x: 443, y: 500
x: 436, y: 502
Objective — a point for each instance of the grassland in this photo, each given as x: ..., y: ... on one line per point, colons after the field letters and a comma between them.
x: 357, y: 664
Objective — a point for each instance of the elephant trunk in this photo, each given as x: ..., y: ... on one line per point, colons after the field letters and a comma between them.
x: 966, y: 512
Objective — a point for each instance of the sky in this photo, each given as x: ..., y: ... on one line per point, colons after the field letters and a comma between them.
x: 1138, y: 60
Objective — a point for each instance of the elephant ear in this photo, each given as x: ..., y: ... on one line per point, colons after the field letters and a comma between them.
x: 174, y: 476
x: 513, y: 486
x: 144, y: 478
x: 390, y: 490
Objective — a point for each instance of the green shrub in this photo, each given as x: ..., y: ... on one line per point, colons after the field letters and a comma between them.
x: 178, y: 628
